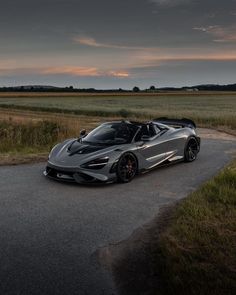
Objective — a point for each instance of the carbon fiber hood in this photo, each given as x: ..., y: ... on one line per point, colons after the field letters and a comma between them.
x: 81, y: 148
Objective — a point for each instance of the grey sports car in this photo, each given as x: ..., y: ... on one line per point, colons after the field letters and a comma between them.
x: 121, y: 149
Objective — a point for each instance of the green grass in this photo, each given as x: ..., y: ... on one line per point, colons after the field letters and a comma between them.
x: 196, y: 253
x: 91, y: 113
x: 210, y: 110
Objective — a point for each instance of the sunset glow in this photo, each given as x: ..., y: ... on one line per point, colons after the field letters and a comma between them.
x: 160, y: 42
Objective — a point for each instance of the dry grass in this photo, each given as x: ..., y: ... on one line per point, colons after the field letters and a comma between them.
x: 71, y: 112
x: 28, y: 136
x: 78, y: 94
x: 73, y: 122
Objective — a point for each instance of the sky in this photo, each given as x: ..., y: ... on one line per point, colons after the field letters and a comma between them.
x: 108, y: 44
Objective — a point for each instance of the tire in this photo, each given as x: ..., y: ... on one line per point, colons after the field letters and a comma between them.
x: 191, y: 150
x: 127, y: 167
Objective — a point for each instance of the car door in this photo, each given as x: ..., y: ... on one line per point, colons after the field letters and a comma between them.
x: 152, y: 149
x: 176, y: 144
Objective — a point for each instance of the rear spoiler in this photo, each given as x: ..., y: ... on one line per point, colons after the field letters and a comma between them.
x: 176, y: 122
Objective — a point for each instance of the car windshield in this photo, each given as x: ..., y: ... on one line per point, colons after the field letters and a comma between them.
x: 112, y: 133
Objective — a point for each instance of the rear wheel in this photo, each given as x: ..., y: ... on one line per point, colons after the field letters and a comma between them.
x: 127, y: 167
x: 191, y: 150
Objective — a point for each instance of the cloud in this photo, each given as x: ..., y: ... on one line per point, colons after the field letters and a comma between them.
x: 93, y: 43
x: 84, y: 72
x: 170, y: 2
x: 74, y: 71
x: 119, y: 74
x: 219, y: 33
x: 183, y: 56
x: 64, y: 70
x: 88, y: 41
x: 204, y: 29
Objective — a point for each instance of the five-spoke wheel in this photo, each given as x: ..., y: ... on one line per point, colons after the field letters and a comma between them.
x: 191, y: 150
x: 127, y: 167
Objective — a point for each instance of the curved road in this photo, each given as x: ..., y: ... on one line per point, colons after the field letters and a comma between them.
x: 50, y: 231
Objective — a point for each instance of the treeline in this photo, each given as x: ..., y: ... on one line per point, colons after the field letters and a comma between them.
x: 58, y: 89
x: 230, y: 87
x: 33, y: 88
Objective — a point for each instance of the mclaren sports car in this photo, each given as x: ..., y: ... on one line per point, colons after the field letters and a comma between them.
x: 118, y: 150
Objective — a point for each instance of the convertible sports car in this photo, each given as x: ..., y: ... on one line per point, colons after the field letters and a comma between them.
x: 119, y: 150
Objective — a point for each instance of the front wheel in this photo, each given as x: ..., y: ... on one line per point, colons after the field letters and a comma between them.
x: 191, y: 150
x: 127, y: 167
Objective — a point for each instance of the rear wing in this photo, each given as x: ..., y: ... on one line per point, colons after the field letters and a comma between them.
x: 176, y: 122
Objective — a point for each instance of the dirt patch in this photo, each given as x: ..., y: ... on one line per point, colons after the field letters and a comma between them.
x: 9, y: 159
x: 131, y: 260
x: 216, y: 134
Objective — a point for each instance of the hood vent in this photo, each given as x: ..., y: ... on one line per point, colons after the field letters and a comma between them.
x: 79, y: 148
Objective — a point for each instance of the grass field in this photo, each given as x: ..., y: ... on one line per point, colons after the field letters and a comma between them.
x: 25, y: 118
x: 211, y: 109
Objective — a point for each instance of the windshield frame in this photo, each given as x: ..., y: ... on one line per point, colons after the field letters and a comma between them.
x: 127, y: 127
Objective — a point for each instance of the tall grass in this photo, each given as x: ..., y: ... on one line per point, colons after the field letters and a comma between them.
x: 33, y: 132
x: 225, y: 120
x: 40, y: 136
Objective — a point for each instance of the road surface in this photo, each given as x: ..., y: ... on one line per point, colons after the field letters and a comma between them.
x: 50, y: 231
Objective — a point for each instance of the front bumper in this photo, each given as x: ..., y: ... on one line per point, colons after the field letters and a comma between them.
x: 72, y: 174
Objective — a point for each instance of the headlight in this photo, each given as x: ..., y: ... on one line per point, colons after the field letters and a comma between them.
x: 96, y: 164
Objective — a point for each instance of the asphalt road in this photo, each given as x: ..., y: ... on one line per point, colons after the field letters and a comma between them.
x: 49, y: 231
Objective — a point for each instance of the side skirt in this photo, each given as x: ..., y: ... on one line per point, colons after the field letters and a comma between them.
x: 166, y: 163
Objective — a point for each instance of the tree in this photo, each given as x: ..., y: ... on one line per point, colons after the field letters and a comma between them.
x: 136, y: 89
x: 152, y: 88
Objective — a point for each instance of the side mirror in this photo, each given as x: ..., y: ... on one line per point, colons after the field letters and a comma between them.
x: 82, y: 132
x: 145, y: 138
